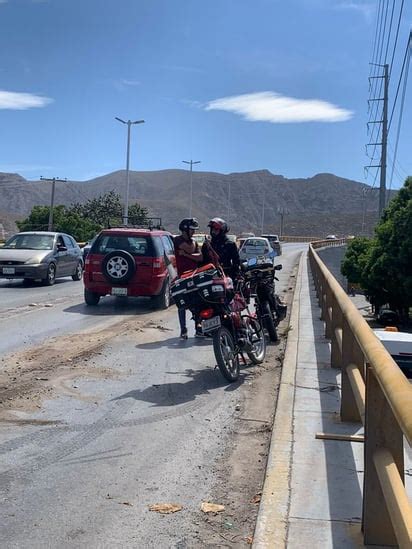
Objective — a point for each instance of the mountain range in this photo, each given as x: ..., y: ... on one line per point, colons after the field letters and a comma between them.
x: 316, y: 206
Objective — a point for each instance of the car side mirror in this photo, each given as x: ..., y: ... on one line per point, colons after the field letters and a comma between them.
x: 61, y: 248
x: 278, y: 267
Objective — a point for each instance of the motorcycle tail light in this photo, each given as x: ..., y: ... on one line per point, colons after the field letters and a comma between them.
x: 206, y: 313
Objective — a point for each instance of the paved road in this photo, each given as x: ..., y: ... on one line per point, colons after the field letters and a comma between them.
x: 134, y: 417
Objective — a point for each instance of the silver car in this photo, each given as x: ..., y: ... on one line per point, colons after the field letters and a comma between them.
x: 257, y: 247
x: 41, y: 255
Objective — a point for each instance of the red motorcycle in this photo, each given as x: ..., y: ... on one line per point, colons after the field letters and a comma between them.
x: 221, y: 310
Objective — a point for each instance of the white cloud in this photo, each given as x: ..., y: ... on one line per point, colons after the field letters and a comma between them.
x: 130, y: 82
x: 22, y: 101
x: 367, y: 9
x: 277, y: 109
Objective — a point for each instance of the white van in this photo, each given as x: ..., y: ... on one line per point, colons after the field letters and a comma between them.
x: 399, y: 346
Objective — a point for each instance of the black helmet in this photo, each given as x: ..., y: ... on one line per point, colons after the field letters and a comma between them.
x: 188, y: 223
x: 218, y: 223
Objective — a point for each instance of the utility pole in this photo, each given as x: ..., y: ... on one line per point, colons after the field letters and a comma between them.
x: 191, y: 162
x: 126, y: 202
x: 263, y: 211
x: 384, y: 139
x: 364, y: 193
x: 53, y: 182
x: 282, y: 212
x: 228, y: 203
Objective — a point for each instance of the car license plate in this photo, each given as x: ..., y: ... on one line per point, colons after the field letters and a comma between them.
x: 9, y: 270
x: 119, y: 291
x: 210, y: 324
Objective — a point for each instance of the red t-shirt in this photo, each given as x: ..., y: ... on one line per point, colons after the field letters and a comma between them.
x: 184, y: 263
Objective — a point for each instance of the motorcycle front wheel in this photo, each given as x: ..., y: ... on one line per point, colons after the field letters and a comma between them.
x: 268, y: 321
x: 258, y: 352
x: 226, y: 357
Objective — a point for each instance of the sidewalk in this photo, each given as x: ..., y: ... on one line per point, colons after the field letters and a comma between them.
x: 312, y: 493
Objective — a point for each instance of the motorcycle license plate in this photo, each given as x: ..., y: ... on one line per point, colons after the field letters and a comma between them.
x: 210, y: 324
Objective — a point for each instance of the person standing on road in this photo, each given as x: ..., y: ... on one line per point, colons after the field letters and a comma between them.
x: 188, y: 258
x: 225, y: 250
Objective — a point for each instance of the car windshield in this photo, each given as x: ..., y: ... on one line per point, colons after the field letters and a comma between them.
x: 255, y: 242
x: 30, y: 242
x: 135, y: 245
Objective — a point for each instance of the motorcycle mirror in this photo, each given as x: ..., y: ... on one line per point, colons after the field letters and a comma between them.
x: 278, y: 267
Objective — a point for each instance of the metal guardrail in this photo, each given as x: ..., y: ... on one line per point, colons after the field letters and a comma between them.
x: 376, y: 393
x: 298, y: 238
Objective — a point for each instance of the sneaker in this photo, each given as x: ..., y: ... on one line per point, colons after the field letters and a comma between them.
x: 183, y: 334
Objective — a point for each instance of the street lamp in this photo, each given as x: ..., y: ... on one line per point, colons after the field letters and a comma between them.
x: 191, y: 162
x: 126, y: 202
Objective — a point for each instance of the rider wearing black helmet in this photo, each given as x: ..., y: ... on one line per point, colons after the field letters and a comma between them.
x: 188, y: 257
x: 225, y: 249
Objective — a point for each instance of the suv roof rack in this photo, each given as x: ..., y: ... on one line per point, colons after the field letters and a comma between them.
x: 151, y: 223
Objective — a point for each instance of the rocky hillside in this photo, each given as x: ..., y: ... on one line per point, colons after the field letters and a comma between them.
x: 318, y: 205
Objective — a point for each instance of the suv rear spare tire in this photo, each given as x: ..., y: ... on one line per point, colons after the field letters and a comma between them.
x: 118, y: 266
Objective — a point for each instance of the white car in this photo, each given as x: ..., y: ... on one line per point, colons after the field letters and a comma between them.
x: 399, y: 346
x: 256, y: 247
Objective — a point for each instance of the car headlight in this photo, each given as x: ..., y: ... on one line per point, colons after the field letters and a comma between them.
x: 33, y: 261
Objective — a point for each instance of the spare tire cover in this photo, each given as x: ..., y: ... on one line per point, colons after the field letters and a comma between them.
x: 118, y: 266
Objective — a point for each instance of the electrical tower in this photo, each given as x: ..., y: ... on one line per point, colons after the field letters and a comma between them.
x: 384, y: 135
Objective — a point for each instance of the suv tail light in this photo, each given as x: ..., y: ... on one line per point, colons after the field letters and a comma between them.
x: 158, y: 264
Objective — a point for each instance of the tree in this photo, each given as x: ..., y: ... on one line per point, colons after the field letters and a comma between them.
x: 383, y: 265
x: 83, y: 221
x: 353, y: 263
x: 64, y: 220
x: 108, y: 207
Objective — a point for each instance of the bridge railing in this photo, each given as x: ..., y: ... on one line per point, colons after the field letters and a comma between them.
x: 376, y: 393
x: 298, y: 238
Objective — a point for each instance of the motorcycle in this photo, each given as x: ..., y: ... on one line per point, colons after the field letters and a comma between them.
x: 222, y: 311
x: 260, y: 278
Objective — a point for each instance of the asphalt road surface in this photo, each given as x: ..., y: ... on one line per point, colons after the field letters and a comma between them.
x: 105, y: 412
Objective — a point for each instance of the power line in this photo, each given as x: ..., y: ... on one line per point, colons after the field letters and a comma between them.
x: 405, y: 82
x: 400, y: 77
x: 396, y: 38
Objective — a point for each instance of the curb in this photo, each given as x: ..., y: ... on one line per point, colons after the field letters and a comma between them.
x: 272, y: 522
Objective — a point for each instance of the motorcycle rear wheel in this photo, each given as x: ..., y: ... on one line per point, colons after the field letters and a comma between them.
x: 257, y: 355
x: 226, y: 357
x: 268, y: 321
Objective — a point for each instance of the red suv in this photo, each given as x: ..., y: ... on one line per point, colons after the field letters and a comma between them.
x: 130, y: 262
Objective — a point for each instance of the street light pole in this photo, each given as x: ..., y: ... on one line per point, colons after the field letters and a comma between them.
x: 126, y: 202
x: 191, y: 162
x: 263, y: 211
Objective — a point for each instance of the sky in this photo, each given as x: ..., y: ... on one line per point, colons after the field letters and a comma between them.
x: 239, y: 85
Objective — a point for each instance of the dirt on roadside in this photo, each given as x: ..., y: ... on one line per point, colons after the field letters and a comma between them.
x: 241, y: 471
x: 30, y: 376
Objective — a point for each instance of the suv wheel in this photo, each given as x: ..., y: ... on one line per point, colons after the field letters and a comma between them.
x: 118, y: 266
x: 91, y: 298
x: 162, y: 301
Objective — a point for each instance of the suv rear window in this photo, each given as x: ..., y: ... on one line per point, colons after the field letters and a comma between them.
x: 135, y: 245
